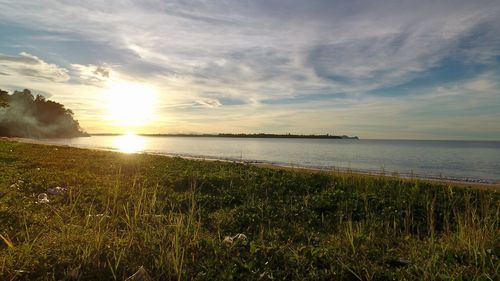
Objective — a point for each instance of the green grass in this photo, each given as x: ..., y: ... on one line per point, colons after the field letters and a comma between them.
x: 171, y: 215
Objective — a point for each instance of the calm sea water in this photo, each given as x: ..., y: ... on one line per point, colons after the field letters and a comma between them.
x: 459, y: 160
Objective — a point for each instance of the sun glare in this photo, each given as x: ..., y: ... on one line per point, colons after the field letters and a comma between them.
x: 129, y: 143
x: 130, y: 104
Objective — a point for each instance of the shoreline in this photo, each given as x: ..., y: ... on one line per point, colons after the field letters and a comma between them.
x: 250, y: 136
x: 465, y: 182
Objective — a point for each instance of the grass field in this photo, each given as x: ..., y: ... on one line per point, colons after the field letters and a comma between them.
x: 171, y: 215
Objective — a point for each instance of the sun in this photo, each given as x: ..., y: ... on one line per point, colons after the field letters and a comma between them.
x: 129, y: 104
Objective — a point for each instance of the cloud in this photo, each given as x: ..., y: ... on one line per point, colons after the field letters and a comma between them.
x: 91, y: 73
x: 276, y: 48
x: 477, y: 88
x: 31, y: 66
x: 259, y: 57
x: 208, y: 102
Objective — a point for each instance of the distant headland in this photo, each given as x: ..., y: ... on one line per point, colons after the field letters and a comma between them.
x: 259, y: 135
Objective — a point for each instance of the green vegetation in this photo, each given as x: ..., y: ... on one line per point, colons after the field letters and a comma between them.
x: 171, y: 215
x: 23, y: 115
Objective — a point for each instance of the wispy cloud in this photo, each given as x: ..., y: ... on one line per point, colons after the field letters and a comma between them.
x: 91, y: 73
x: 31, y: 66
x: 211, y: 103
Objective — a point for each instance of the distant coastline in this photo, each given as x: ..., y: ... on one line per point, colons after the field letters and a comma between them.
x: 260, y: 135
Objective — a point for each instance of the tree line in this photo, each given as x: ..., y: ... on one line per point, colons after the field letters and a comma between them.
x: 24, y: 115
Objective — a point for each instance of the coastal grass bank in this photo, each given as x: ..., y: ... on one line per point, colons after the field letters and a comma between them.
x: 76, y: 214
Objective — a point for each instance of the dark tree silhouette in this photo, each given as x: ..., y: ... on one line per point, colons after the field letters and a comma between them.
x: 4, y: 95
x: 23, y: 115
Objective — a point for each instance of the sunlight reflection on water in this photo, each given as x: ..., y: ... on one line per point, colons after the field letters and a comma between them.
x: 129, y: 143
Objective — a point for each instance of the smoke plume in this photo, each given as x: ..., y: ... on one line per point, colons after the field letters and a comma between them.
x: 23, y: 115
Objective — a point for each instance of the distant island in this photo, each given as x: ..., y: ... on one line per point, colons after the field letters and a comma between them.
x: 259, y: 135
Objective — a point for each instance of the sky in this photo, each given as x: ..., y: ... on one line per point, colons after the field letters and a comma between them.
x: 374, y: 69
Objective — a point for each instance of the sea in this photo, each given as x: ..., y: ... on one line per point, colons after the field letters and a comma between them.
x: 468, y: 161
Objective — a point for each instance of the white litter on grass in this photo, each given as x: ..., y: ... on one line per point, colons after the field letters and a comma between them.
x: 17, y: 184
x: 42, y: 198
x: 238, y: 237
x: 56, y: 190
